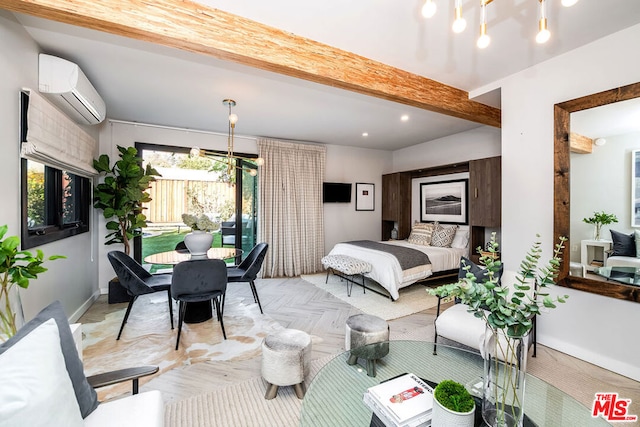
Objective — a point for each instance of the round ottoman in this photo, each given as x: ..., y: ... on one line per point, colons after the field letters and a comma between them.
x: 285, y: 361
x: 367, y: 337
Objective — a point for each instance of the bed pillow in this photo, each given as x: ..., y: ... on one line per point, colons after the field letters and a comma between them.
x: 623, y: 244
x: 461, y: 239
x: 443, y: 236
x: 421, y: 234
x: 36, y: 389
x: 85, y: 394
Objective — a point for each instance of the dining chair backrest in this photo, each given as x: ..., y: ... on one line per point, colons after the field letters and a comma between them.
x: 131, y: 274
x: 253, y: 262
x: 198, y: 279
x: 181, y: 246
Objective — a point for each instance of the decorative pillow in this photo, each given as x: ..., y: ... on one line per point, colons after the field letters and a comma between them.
x: 443, y: 236
x: 623, y: 244
x: 85, y: 394
x: 461, y: 239
x: 423, y: 225
x: 36, y: 389
x: 421, y: 234
x: 637, y: 239
x: 476, y: 270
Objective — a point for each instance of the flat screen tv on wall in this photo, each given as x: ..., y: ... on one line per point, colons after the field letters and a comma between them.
x: 336, y: 192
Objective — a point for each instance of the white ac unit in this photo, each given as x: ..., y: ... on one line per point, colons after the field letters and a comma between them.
x: 66, y: 85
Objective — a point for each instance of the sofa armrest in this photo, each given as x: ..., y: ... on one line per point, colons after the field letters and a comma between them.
x: 114, y: 377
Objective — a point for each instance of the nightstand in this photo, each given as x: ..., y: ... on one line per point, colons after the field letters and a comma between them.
x: 594, y: 253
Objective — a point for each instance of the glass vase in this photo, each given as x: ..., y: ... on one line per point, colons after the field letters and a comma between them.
x: 11, y: 314
x: 596, y: 232
x: 505, y: 363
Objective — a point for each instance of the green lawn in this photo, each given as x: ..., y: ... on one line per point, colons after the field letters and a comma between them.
x: 167, y: 242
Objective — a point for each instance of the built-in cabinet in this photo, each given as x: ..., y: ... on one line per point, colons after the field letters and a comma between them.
x: 485, y: 195
x: 485, y: 199
x: 396, y: 204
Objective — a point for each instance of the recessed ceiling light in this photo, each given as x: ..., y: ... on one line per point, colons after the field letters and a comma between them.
x: 404, y: 118
x: 365, y: 134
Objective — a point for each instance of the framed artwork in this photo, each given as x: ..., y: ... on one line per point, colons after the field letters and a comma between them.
x: 635, y: 188
x: 444, y: 201
x: 365, y: 197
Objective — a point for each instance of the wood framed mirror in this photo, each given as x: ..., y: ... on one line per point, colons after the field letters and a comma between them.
x: 562, y: 196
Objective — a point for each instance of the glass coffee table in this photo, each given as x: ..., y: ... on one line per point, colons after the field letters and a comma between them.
x: 334, y: 397
x: 626, y: 275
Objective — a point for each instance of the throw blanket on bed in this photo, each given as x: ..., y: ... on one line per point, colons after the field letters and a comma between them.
x: 407, y: 257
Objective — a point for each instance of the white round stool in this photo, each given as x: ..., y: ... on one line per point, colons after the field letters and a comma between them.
x: 285, y: 361
x: 367, y: 337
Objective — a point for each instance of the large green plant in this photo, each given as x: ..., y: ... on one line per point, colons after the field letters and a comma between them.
x: 16, y: 268
x: 122, y: 194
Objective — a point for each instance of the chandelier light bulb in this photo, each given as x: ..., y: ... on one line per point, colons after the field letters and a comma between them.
x: 429, y: 9
x: 195, y: 152
x: 233, y: 119
x: 483, y: 41
x: 459, y: 24
x: 253, y: 172
x: 569, y: 3
x: 259, y: 161
x: 543, y: 36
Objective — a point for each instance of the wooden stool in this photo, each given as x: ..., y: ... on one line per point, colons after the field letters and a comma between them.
x: 285, y: 361
x: 367, y: 337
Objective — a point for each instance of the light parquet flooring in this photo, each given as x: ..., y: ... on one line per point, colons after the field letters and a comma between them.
x: 297, y: 304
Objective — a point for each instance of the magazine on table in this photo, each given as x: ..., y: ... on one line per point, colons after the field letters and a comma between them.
x: 404, y: 401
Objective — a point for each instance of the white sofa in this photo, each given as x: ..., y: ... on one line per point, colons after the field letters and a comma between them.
x: 623, y: 261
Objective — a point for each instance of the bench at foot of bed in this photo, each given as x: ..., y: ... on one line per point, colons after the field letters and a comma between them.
x: 346, y: 267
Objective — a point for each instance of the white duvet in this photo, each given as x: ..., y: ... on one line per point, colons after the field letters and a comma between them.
x: 386, y: 269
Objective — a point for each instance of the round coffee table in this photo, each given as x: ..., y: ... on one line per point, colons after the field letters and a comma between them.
x: 334, y: 397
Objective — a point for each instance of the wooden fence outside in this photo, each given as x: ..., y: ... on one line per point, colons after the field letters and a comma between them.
x: 170, y: 198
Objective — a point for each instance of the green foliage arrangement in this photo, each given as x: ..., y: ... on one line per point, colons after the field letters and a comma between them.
x: 454, y: 396
x: 16, y: 268
x: 122, y: 194
x: 493, y: 302
x: 601, y: 218
x: 201, y: 222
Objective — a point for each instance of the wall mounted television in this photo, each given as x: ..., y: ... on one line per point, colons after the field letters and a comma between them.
x: 336, y: 192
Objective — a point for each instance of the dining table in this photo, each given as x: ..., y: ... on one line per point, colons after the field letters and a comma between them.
x: 196, y: 312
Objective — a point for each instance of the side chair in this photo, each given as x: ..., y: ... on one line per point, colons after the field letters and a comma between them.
x: 138, y: 281
x: 196, y: 281
x: 247, y: 270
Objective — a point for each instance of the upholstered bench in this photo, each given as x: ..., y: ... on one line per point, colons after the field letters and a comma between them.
x: 367, y: 337
x: 346, y: 267
x: 285, y: 361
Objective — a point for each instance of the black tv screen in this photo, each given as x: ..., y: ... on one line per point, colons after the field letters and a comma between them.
x: 336, y: 192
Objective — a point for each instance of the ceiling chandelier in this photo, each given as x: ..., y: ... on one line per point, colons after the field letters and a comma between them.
x: 459, y: 23
x: 231, y: 157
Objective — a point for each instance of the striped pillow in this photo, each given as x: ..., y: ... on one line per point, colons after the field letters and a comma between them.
x: 443, y: 236
x: 421, y: 234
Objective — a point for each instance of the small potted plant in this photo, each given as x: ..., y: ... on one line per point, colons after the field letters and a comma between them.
x: 599, y: 219
x: 452, y: 405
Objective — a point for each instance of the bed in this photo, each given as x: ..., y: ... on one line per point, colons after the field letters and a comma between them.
x: 386, y: 269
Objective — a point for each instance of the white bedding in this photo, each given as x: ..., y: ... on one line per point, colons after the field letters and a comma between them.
x: 386, y: 268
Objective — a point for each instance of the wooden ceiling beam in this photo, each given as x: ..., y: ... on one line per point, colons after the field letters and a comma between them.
x: 197, y: 28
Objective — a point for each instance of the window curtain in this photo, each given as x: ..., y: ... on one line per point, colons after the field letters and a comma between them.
x: 290, y: 215
x: 55, y: 140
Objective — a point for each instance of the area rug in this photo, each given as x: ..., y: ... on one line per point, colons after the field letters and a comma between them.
x: 148, y: 339
x: 413, y: 299
x: 241, y: 405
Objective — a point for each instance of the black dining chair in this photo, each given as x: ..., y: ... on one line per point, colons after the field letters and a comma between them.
x: 138, y: 281
x: 197, y: 281
x: 247, y: 270
x: 181, y: 246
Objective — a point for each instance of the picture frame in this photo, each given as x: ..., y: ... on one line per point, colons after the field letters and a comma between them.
x: 365, y: 196
x: 445, y: 201
x: 635, y: 188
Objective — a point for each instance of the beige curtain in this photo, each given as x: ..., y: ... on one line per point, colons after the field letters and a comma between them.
x: 290, y: 213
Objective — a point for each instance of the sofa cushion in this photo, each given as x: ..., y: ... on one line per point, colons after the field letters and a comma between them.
x: 140, y: 410
x: 623, y: 244
x: 85, y: 394
x: 36, y: 389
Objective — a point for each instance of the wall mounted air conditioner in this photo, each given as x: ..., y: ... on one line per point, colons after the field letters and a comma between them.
x: 64, y: 83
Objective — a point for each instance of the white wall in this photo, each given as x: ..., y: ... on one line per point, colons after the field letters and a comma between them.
x: 341, y: 220
x: 588, y: 326
x: 601, y: 181
x: 73, y: 280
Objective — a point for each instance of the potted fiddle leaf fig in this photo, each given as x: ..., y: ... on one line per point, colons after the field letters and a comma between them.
x: 16, y: 268
x: 122, y: 194
x: 452, y: 405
